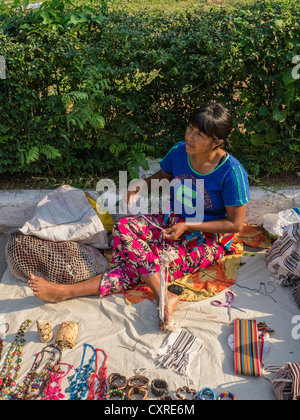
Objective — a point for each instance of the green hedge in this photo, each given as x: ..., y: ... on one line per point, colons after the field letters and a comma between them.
x: 89, y: 91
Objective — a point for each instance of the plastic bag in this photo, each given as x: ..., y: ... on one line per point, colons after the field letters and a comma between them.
x: 275, y: 223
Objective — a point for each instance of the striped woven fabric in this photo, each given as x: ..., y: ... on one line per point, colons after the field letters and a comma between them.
x: 248, y: 348
x: 295, y: 370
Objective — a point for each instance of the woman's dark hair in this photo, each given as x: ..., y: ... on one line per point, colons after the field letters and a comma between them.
x: 215, y: 121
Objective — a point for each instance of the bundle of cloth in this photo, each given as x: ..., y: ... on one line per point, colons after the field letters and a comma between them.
x: 283, y: 259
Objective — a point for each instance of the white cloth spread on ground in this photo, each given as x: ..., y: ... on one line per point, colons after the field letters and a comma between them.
x: 125, y: 332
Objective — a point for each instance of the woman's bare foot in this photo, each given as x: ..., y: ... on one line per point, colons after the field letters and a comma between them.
x: 46, y: 290
x: 52, y: 292
x: 170, y: 306
x: 172, y: 300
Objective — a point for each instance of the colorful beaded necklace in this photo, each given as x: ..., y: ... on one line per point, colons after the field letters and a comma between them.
x: 79, y: 383
x: 53, y: 391
x: 14, y: 355
x: 34, y: 385
x: 101, y: 376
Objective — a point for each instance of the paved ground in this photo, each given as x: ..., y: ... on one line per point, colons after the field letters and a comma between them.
x: 4, y: 233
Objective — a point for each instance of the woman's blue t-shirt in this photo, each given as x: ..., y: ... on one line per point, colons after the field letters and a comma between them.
x: 226, y: 185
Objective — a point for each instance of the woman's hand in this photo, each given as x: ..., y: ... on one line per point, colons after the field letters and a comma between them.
x: 174, y: 232
x: 133, y: 196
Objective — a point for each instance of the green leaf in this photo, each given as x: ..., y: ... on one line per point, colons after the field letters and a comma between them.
x: 257, y: 139
x: 46, y: 18
x: 280, y: 115
x: 49, y: 151
x: 75, y: 19
x: 287, y: 77
x: 263, y: 111
x: 32, y: 155
x: 279, y: 23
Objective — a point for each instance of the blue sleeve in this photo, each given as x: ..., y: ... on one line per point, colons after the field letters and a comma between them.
x: 168, y: 161
x: 236, y: 187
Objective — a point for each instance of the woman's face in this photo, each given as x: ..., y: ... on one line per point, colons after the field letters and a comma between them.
x: 197, y: 142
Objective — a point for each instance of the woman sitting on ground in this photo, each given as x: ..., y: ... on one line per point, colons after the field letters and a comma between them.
x: 139, y: 241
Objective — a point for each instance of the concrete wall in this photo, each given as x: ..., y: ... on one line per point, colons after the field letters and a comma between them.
x: 17, y: 206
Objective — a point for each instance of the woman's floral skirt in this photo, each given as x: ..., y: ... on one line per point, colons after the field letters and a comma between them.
x: 137, y: 250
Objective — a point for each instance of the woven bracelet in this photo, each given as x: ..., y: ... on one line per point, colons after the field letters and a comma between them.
x: 206, y: 391
x: 139, y: 391
x: 113, y: 378
x: 186, y: 389
x: 159, y: 387
x: 226, y: 395
x: 138, y: 381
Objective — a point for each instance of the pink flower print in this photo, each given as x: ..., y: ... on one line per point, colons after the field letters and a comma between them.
x: 145, y: 230
x: 143, y: 271
x: 124, y: 221
x: 137, y: 245
x: 131, y: 256
x: 155, y: 234
x: 104, y: 290
x: 124, y: 230
x: 185, y: 267
x: 178, y: 274
x: 181, y: 251
x: 116, y: 242
x: 150, y: 257
x: 194, y: 255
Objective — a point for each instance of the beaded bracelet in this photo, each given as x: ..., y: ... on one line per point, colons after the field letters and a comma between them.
x: 186, y: 389
x: 138, y: 381
x: 206, y: 391
x: 116, y: 393
x: 226, y: 394
x: 159, y: 387
x: 137, y: 390
x: 112, y: 381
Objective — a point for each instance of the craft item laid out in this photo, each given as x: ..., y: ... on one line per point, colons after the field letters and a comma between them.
x: 159, y: 387
x: 296, y: 294
x: 115, y: 392
x: 286, y: 382
x: 101, y: 376
x: 67, y: 335
x: 228, y: 304
x: 117, y: 381
x: 178, y: 350
x: 4, y: 327
x: 84, y: 380
x: 248, y: 348
x: 35, y: 384
x: 79, y: 381
x: 226, y: 394
x: 138, y: 381
x: 44, y: 330
x: 186, y: 390
x: 208, y: 392
x: 14, y: 357
x: 137, y: 391
x: 53, y: 391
